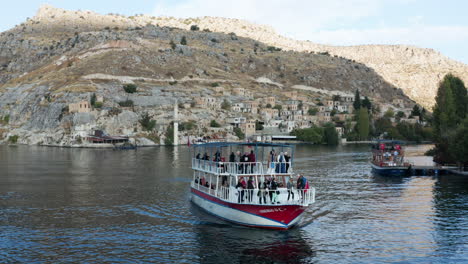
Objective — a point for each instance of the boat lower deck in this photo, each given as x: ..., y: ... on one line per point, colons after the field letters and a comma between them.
x: 253, y: 215
x: 411, y: 170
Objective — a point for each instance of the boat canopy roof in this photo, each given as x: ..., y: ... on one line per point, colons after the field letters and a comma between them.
x: 231, y: 144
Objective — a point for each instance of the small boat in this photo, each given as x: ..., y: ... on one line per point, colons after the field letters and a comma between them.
x: 388, y: 159
x: 249, y: 189
x: 125, y: 146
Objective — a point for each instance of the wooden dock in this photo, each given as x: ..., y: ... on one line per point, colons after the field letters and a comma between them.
x: 430, y: 170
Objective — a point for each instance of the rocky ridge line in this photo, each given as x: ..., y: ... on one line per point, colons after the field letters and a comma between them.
x: 416, y: 71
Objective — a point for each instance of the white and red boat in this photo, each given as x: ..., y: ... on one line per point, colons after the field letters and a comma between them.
x: 218, y: 170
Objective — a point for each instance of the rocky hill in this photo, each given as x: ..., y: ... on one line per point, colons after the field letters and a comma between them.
x: 415, y: 70
x: 61, y: 57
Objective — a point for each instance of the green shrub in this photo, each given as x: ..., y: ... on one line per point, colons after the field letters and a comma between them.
x: 271, y: 48
x: 13, y: 139
x: 189, y: 125
x: 215, y: 84
x: 239, y: 133
x: 130, y: 88
x: 154, y: 137
x: 183, y: 41
x: 213, y: 123
x: 169, y: 140
x: 126, y: 103
x: 173, y: 83
x: 279, y: 107
x: 6, y: 119
x: 173, y: 45
x: 146, y: 122
x: 226, y: 105
x: 92, y: 101
x: 98, y: 105
x: 312, y: 111
x: 214, y: 40
x: 194, y: 28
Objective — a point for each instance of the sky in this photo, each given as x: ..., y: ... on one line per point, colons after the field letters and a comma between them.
x: 440, y: 25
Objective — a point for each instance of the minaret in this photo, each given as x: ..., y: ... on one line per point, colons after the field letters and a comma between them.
x: 176, y: 124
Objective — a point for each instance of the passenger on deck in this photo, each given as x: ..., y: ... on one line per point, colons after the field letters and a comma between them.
x: 301, y: 185
x: 206, y: 157
x: 203, y: 181
x: 287, y: 159
x: 281, y: 166
x: 232, y: 157
x: 252, y: 161
x: 268, y: 186
x: 290, y: 188
x: 272, y: 160
x: 198, y: 156
x: 238, y: 160
x: 250, y: 187
x: 217, y: 157
x: 241, y: 185
x: 274, y: 190
x: 246, y: 165
x: 262, y: 192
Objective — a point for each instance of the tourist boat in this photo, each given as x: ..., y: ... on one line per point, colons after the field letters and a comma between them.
x: 218, y: 170
x: 388, y: 159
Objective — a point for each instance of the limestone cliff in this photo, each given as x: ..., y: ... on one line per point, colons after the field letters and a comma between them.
x: 61, y: 57
x: 416, y: 71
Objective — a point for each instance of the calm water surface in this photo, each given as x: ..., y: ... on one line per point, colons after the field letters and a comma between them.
x: 105, y: 206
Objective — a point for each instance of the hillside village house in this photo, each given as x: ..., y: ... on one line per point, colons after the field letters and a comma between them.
x: 270, y: 100
x: 219, y: 89
x: 269, y: 113
x: 324, y: 117
x: 347, y: 98
x: 342, y: 108
x: 399, y: 102
x: 292, y: 105
x: 290, y: 94
x: 248, y: 128
x: 207, y: 102
x: 236, y: 121
x: 239, y: 91
x: 343, y: 117
x: 80, y: 107
x: 237, y: 107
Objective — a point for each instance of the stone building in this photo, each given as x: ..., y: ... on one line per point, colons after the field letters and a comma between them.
x: 248, y: 128
x: 80, y: 107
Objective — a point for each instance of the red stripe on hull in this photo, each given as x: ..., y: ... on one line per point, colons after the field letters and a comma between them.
x: 284, y: 214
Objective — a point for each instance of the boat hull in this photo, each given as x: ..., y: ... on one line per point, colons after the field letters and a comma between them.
x: 389, y: 171
x: 253, y: 215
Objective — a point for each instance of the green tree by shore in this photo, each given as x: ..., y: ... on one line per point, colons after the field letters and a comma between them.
x: 450, y: 114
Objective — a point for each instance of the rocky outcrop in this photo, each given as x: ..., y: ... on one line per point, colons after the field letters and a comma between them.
x: 416, y: 71
x: 61, y: 57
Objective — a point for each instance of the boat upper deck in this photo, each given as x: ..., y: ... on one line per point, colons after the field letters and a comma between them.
x: 228, y: 158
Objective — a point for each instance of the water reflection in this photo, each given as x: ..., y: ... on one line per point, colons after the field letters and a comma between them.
x: 105, y: 206
x: 220, y: 242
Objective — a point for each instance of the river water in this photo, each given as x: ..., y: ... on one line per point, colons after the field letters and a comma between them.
x: 61, y: 205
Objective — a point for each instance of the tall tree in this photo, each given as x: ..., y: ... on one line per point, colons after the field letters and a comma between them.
x: 458, y: 144
x: 363, y: 124
x: 357, y: 101
x: 330, y: 135
x: 366, y: 103
x: 449, y: 112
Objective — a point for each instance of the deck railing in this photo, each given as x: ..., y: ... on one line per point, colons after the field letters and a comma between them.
x: 257, y: 197
x: 242, y: 168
